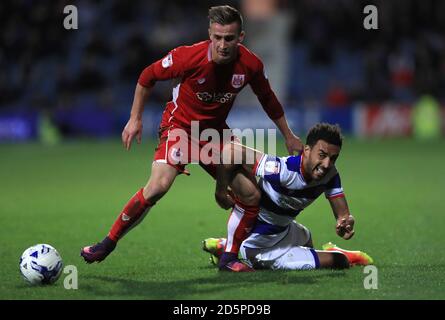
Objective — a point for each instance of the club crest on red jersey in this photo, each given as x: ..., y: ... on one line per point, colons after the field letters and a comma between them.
x: 176, y: 155
x: 237, y: 80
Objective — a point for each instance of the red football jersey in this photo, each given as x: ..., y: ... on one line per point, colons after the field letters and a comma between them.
x: 205, y: 90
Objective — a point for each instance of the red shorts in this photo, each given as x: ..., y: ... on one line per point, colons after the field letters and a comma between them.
x: 177, y: 147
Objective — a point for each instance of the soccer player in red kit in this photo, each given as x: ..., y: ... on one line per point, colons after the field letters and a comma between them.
x: 208, y: 75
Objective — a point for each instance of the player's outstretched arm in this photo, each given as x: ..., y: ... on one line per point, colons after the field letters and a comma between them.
x: 133, y: 128
x: 345, y: 221
x: 234, y: 157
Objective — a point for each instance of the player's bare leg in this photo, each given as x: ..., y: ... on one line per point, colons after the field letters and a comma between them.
x: 332, y: 260
x: 326, y: 259
x: 241, y: 221
x: 161, y: 179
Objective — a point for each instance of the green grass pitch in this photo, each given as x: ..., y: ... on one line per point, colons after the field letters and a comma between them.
x: 69, y: 195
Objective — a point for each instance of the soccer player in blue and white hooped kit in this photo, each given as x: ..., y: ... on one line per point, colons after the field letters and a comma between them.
x: 288, y: 185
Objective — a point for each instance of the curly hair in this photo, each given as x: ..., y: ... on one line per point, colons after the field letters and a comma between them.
x: 324, y: 131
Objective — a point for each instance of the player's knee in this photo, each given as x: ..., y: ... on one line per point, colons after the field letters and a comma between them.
x: 155, y: 190
x: 250, y: 197
x: 248, y: 193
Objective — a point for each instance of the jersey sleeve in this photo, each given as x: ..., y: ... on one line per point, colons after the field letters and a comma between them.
x: 275, y: 170
x: 171, y: 66
x: 261, y: 87
x: 334, y: 188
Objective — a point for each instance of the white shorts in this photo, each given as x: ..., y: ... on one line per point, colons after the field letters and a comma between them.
x: 287, y: 254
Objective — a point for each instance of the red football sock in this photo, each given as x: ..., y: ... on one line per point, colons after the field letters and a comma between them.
x: 132, y: 214
x: 241, y: 222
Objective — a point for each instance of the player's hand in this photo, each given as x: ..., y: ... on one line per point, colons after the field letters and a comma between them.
x: 132, y: 129
x: 293, y: 144
x: 224, y: 199
x: 345, y: 227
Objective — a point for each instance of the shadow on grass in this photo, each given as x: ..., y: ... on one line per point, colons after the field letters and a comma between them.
x: 217, y: 284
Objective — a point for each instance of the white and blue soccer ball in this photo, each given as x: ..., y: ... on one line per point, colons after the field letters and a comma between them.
x: 41, y: 264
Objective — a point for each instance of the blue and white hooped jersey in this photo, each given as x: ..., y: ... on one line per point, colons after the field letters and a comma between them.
x: 285, y: 193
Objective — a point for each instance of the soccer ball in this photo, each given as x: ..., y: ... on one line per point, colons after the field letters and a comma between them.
x: 41, y: 264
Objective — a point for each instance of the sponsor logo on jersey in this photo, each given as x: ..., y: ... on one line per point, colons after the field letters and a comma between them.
x: 290, y: 203
x: 167, y: 61
x: 237, y: 80
x: 202, y: 80
x: 272, y: 167
x: 219, y: 97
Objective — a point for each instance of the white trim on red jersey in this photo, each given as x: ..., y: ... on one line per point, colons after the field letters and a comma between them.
x: 175, y: 95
